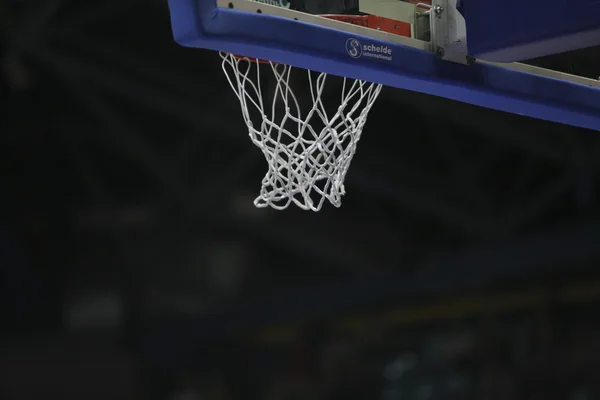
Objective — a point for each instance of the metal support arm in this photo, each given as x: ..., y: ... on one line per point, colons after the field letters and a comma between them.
x: 448, y: 32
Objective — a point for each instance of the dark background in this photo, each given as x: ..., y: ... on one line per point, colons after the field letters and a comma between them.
x: 461, y: 265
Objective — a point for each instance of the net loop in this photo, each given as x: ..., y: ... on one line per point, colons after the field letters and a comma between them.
x: 308, y: 151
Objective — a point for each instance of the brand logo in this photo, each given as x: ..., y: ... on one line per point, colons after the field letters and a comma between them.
x: 356, y: 49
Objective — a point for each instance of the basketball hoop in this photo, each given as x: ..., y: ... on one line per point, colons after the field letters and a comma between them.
x: 424, y: 47
x: 308, y: 151
x: 306, y: 165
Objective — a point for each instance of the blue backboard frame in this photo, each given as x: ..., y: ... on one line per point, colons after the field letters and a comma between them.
x: 513, y: 30
x: 525, y: 91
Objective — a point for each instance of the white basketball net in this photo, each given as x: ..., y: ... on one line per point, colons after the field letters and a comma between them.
x: 307, y: 164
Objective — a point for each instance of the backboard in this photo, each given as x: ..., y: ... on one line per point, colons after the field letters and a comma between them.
x: 473, y: 29
x: 514, y: 30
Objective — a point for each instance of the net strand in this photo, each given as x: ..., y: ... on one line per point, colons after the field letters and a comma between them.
x: 308, y: 154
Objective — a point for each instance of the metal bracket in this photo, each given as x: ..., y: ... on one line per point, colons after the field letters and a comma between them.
x: 392, y: 9
x: 448, y: 32
x: 422, y: 26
